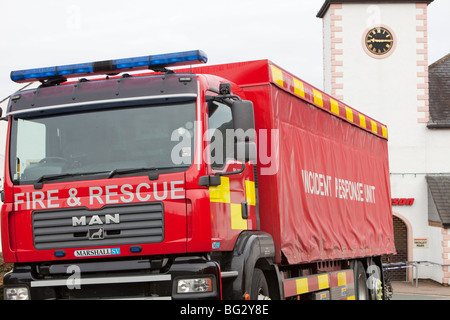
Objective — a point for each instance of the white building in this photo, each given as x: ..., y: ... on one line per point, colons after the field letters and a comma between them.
x: 376, y: 60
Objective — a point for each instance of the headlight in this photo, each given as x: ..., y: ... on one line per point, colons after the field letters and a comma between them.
x: 18, y: 293
x: 194, y: 285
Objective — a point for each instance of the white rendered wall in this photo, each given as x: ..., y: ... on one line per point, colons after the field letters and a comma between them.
x: 394, y: 90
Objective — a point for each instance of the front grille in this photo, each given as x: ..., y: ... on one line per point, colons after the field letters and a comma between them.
x: 119, y: 225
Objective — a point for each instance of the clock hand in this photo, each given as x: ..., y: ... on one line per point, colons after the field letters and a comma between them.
x: 380, y: 40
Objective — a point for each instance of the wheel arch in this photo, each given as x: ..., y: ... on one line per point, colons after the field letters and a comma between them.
x: 253, y: 249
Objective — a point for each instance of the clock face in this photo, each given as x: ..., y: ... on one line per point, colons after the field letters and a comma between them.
x: 379, y: 41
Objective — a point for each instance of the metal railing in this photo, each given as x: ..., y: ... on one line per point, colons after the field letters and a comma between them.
x: 414, y: 265
x: 404, y: 265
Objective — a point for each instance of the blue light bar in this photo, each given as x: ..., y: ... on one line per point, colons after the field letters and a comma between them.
x: 154, y: 62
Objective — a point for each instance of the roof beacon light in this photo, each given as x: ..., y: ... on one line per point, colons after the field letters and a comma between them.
x: 154, y: 62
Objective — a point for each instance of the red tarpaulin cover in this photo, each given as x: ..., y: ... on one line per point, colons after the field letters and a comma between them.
x: 332, y: 184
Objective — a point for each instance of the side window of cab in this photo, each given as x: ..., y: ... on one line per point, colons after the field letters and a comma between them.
x: 220, y: 134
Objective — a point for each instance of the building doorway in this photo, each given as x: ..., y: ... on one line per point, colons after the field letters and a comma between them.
x: 401, y: 245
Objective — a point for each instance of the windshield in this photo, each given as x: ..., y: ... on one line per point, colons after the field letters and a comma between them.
x: 102, y: 141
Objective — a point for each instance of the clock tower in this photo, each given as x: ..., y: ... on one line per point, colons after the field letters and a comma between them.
x: 376, y: 57
x: 376, y: 60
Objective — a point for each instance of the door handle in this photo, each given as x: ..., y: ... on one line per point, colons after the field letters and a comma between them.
x: 244, y: 206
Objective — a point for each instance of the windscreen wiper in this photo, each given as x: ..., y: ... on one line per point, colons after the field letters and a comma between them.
x: 153, y: 175
x: 49, y: 177
x: 153, y: 171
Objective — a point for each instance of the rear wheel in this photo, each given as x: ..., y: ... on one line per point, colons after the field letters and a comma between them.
x: 361, y: 290
x: 259, y: 289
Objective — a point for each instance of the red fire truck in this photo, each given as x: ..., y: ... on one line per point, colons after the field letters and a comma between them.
x: 234, y: 181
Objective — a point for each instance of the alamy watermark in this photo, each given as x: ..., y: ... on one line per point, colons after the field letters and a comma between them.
x: 228, y: 144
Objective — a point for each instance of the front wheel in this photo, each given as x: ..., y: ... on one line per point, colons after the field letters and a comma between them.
x: 259, y: 289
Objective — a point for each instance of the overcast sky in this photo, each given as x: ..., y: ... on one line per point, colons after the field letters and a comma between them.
x: 51, y: 32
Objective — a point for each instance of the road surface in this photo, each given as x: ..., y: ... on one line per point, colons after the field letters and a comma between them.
x: 425, y: 290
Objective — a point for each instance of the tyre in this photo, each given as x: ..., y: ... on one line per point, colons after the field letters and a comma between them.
x: 360, y: 281
x: 259, y: 289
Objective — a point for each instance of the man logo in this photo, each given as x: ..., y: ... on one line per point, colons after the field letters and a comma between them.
x: 95, y: 220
